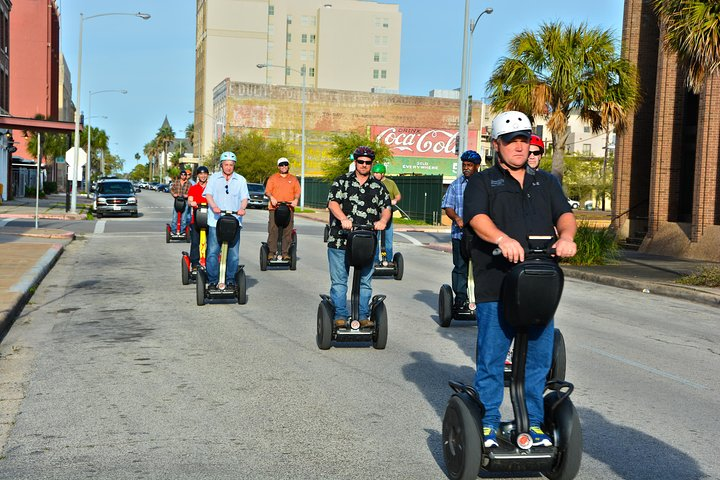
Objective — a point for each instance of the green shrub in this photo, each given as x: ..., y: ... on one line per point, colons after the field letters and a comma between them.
x: 30, y: 192
x: 50, y: 187
x: 595, y: 246
x: 707, y: 276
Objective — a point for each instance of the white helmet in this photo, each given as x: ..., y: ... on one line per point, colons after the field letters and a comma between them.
x: 509, y: 125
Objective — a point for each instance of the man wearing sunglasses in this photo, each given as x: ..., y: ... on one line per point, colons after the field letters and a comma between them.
x: 181, y: 187
x: 225, y: 191
x: 281, y: 187
x: 355, y: 198
x: 537, y: 148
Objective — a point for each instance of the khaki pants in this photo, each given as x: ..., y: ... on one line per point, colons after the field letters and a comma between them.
x: 273, y: 234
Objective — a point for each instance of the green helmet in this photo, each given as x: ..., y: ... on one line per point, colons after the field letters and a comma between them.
x: 378, y: 168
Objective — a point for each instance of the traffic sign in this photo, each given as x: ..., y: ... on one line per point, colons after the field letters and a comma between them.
x: 70, y: 160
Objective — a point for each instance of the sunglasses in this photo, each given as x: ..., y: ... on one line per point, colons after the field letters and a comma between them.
x: 183, y: 174
x: 364, y: 162
x: 537, y: 154
x: 227, y: 190
x: 283, y: 164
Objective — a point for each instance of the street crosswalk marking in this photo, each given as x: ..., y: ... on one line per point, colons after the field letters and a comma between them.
x: 99, y: 226
x: 5, y: 221
x: 407, y: 237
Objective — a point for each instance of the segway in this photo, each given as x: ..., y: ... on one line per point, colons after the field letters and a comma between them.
x: 447, y: 310
x: 360, y: 252
x: 282, y: 216
x: 226, y: 229
x: 187, y: 271
x: 530, y: 295
x: 177, y: 234
x: 384, y: 268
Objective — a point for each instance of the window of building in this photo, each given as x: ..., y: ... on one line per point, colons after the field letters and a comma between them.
x: 271, y: 31
x: 289, y: 37
x: 287, y: 71
x: 311, y: 71
x: 376, y: 57
x: 384, y: 57
x: 586, y: 129
x: 289, y: 19
x: 376, y: 73
x: 383, y: 73
x: 311, y: 56
x: 303, y: 38
x: 271, y: 9
x: 384, y: 40
x: 586, y: 149
x: 312, y: 38
x: 288, y: 54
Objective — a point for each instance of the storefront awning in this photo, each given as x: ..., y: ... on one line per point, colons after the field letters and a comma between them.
x: 35, y: 125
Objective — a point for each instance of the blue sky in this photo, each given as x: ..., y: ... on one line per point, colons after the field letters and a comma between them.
x: 154, y: 60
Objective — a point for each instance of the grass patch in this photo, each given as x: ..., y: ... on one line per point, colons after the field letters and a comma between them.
x: 595, y: 246
x: 708, y: 276
x: 408, y: 221
x: 304, y: 210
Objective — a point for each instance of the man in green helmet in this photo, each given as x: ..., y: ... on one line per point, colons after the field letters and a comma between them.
x: 378, y: 171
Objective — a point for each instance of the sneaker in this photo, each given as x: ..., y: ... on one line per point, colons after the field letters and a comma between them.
x: 490, y: 436
x: 540, y: 439
x: 286, y: 258
x: 367, y: 323
x: 340, y: 322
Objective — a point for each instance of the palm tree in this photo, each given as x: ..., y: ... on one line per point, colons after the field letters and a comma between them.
x: 691, y: 30
x: 164, y: 136
x: 151, y: 152
x: 190, y: 134
x: 556, y: 71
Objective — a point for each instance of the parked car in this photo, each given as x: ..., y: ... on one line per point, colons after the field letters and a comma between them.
x: 115, y: 197
x: 257, y: 199
x: 573, y: 203
x: 163, y: 187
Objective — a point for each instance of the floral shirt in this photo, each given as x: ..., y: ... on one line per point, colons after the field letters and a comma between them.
x: 363, y: 204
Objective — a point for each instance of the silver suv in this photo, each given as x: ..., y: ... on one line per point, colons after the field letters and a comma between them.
x: 115, y: 197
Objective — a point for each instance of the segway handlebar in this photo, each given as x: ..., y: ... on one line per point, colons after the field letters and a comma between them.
x: 534, y: 251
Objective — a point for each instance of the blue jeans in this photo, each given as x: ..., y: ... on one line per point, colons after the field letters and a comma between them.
x: 339, y: 274
x: 459, y: 273
x: 212, y: 263
x: 494, y: 337
x: 388, y: 243
x: 184, y: 219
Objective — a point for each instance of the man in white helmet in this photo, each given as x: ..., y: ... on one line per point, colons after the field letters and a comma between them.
x: 225, y: 191
x: 504, y: 205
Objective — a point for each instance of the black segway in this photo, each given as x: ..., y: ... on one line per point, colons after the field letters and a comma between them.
x: 360, y: 250
x: 226, y: 229
x: 385, y: 268
x: 530, y: 295
x: 187, y: 272
x: 447, y: 310
x: 283, y: 214
x: 177, y: 234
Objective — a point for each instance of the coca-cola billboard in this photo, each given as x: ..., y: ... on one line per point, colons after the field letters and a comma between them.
x: 421, y: 142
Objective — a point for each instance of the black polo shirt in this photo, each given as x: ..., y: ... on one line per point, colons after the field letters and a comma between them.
x: 518, y: 211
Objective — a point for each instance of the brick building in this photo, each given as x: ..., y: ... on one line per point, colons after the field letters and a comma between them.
x: 666, y: 167
x: 420, y: 131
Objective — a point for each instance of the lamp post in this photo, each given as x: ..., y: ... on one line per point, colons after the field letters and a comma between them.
x: 302, y: 154
x: 468, y: 30
x: 89, y: 135
x: 76, y: 168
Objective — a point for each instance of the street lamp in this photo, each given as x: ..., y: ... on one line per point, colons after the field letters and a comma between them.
x: 89, y: 135
x: 302, y: 161
x: 468, y: 30
x: 76, y: 172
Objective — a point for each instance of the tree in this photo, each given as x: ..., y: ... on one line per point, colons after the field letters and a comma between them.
x: 53, y: 144
x: 151, y: 152
x: 256, y: 155
x: 164, y: 136
x: 190, y: 134
x: 139, y: 172
x: 341, y: 153
x: 691, y: 31
x: 556, y: 71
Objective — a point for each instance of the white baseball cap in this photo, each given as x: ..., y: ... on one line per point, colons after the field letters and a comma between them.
x: 283, y: 160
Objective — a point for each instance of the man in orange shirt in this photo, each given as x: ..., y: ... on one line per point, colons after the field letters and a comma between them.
x: 281, y: 187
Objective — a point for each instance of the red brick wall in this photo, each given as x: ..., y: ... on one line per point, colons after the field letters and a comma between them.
x: 706, y: 168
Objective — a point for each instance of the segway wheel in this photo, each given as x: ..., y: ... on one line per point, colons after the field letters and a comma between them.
x: 293, y: 257
x: 185, y: 272
x: 568, y: 437
x: 445, y: 301
x: 264, y: 252
x: 380, y: 334
x: 293, y: 237
x: 399, y: 266
x: 241, y: 285
x: 461, y: 434
x: 324, y: 327
x: 557, y: 370
x: 187, y: 234
x: 200, y: 287
x: 167, y: 235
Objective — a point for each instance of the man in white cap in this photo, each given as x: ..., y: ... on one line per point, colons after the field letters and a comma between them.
x: 281, y: 187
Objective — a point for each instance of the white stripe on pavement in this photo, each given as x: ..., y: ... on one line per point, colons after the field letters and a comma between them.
x: 5, y: 221
x: 412, y: 240
x: 99, y: 226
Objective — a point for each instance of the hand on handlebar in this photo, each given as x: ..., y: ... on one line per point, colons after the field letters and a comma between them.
x: 565, y: 248
x: 379, y: 225
x: 512, y: 250
x: 346, y: 224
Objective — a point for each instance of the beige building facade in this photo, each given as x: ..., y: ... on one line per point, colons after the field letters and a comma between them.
x: 337, y: 44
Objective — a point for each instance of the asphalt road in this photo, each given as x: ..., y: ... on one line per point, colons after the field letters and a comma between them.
x: 112, y: 371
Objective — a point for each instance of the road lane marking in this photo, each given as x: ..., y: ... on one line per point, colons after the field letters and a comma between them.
x: 5, y: 221
x: 99, y: 226
x: 647, y: 368
x: 412, y: 240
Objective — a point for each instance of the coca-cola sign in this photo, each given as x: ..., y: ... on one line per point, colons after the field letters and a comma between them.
x: 421, y: 142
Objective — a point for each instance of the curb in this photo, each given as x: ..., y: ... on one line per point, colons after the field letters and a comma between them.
x: 47, y: 216
x: 23, y: 289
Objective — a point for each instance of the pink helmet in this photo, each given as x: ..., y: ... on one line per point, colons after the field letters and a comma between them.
x: 537, y: 141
